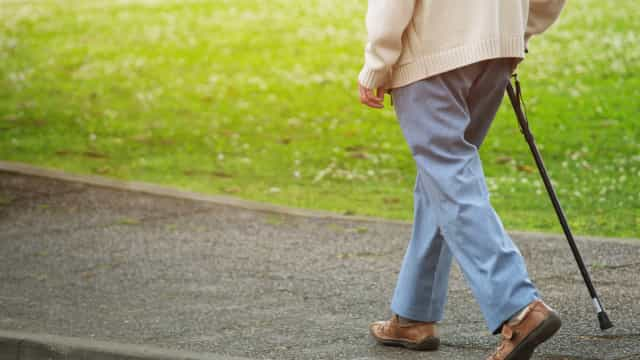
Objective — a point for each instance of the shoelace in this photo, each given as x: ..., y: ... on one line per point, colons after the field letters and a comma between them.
x: 383, y: 328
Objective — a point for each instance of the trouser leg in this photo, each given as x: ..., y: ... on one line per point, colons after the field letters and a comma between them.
x: 435, y: 114
x: 484, y: 98
x: 421, y: 290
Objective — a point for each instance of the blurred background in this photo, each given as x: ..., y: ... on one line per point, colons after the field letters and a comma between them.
x: 258, y: 99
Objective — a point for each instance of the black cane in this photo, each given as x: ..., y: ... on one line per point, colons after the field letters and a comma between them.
x: 515, y: 96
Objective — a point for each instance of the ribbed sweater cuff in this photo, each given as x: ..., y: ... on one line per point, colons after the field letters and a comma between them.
x: 372, y: 79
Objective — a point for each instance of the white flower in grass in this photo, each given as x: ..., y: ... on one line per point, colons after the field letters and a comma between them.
x: 272, y: 98
x: 324, y: 172
x: 111, y: 114
x: 294, y: 122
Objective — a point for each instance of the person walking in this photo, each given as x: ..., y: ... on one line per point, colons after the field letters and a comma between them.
x: 446, y: 65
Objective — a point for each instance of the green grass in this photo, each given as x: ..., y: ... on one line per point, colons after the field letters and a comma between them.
x: 258, y: 100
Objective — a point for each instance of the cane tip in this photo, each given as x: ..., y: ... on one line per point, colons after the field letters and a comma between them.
x: 604, y: 321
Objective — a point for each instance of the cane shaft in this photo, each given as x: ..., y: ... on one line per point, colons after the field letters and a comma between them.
x: 524, y: 127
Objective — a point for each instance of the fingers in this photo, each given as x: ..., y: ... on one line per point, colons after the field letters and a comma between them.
x: 367, y: 97
x: 363, y: 96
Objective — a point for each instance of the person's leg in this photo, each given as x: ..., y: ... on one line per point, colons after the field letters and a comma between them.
x: 434, y: 115
x: 485, y: 97
x: 421, y: 289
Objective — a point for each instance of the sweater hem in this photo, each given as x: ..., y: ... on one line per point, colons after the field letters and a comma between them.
x: 449, y: 59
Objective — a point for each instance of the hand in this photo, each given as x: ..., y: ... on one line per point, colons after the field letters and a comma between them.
x: 367, y: 97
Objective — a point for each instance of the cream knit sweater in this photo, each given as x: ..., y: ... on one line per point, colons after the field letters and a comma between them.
x: 409, y: 40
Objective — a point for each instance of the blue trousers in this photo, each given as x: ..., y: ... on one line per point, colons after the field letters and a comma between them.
x: 444, y: 119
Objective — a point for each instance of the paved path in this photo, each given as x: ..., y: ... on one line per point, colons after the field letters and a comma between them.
x: 89, y: 262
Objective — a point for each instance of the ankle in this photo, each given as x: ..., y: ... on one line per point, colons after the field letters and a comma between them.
x: 404, y: 320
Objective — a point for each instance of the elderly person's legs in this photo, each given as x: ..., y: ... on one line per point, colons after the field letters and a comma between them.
x: 445, y: 119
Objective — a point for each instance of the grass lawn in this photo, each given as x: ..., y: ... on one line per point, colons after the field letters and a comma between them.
x: 257, y: 99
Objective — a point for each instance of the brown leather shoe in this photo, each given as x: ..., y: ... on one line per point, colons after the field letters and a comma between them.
x: 535, y: 325
x: 412, y: 335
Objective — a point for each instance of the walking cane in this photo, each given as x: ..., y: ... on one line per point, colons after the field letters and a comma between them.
x: 515, y: 96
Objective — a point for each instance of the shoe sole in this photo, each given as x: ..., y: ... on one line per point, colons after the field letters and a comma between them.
x: 428, y: 344
x: 540, y: 334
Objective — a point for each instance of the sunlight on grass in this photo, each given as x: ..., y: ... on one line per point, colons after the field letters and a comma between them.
x: 258, y: 100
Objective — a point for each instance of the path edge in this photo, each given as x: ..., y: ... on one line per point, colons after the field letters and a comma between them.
x: 16, y: 345
x: 166, y: 191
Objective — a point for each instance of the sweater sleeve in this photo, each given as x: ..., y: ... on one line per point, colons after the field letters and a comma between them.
x: 542, y: 14
x: 386, y: 22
